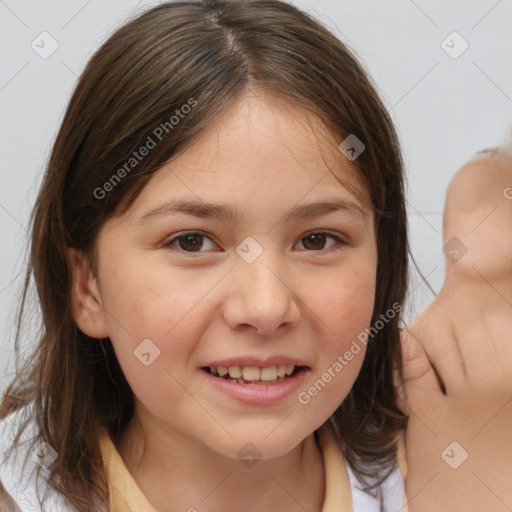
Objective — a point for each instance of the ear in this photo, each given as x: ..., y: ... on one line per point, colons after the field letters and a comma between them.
x: 86, y: 305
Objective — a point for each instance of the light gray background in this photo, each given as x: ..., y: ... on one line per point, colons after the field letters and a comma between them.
x: 445, y: 108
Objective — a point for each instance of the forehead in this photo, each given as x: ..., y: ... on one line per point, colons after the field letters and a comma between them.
x: 262, y: 152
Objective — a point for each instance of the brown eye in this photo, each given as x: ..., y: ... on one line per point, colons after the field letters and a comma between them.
x: 317, y: 241
x: 188, y: 242
x: 314, y: 242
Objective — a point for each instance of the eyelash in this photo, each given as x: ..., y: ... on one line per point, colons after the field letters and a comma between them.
x: 168, y: 244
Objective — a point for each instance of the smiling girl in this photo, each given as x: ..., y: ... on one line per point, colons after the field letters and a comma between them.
x: 221, y: 220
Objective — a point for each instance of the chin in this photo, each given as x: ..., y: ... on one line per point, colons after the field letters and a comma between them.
x: 257, y: 443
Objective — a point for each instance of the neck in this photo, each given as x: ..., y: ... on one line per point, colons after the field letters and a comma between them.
x: 179, y: 473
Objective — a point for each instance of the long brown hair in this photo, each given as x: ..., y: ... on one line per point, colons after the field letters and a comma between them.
x: 209, y: 52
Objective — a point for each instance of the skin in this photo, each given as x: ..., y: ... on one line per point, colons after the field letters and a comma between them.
x: 465, y: 335
x: 182, y: 445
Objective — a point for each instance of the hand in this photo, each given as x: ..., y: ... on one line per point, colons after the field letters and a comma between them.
x: 457, y: 356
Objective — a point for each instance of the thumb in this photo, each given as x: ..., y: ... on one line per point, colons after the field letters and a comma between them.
x: 419, y: 376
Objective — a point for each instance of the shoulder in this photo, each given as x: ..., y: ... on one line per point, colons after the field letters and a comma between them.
x: 20, y: 487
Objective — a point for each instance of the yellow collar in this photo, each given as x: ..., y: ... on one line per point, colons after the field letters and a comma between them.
x: 125, y: 495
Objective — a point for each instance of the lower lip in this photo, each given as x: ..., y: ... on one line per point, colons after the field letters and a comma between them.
x: 258, y: 393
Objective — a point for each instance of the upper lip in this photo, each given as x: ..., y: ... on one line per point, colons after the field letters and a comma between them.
x: 257, y: 361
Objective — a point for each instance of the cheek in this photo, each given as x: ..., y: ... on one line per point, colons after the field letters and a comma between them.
x: 150, y: 305
x: 148, y: 300
x: 153, y: 332
x: 347, y: 302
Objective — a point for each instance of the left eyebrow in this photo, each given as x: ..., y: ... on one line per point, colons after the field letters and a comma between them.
x: 224, y: 212
x: 321, y: 208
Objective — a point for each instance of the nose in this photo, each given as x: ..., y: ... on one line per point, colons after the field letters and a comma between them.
x: 261, y: 297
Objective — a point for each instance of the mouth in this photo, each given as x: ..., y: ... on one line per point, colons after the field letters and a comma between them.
x: 254, y: 374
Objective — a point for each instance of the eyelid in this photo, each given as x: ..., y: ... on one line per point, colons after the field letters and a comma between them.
x: 336, y: 235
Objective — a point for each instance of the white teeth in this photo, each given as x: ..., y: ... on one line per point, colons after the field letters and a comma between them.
x: 235, y: 372
x: 253, y: 373
x: 269, y: 373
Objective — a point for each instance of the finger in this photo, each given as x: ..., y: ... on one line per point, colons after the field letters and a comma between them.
x: 434, y: 331
x: 419, y: 377
x: 485, y: 344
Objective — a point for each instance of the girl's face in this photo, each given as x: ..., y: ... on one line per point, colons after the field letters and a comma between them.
x: 269, y: 279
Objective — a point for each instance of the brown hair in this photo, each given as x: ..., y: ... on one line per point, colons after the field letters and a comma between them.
x: 207, y: 52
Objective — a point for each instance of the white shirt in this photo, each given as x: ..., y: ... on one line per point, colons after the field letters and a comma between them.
x: 20, y: 483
